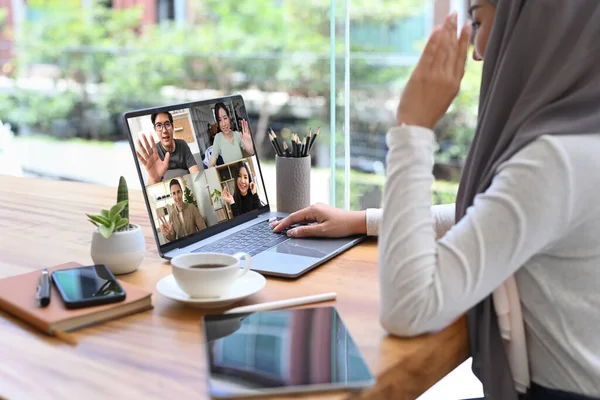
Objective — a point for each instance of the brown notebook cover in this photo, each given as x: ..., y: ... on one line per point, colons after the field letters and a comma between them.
x: 18, y: 297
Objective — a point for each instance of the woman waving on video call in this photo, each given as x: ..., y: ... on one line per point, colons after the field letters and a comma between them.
x: 519, y: 252
x: 245, y: 197
x: 229, y: 143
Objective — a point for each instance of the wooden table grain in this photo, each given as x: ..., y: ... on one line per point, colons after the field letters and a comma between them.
x: 159, y: 354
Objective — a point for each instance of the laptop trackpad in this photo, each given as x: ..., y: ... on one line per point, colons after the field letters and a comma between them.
x: 317, y: 248
x: 295, y: 256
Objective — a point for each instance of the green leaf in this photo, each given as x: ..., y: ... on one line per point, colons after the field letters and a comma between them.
x: 93, y: 222
x: 106, y: 231
x: 123, y: 222
x: 104, y: 213
x: 116, y: 209
x: 99, y: 219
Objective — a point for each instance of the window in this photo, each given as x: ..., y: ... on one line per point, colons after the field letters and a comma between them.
x: 337, y: 65
x: 165, y: 10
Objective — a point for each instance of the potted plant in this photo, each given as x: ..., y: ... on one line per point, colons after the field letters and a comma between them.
x: 189, y: 197
x: 216, y: 197
x: 116, y: 242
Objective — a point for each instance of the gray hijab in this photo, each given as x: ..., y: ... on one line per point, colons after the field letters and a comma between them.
x: 541, y: 76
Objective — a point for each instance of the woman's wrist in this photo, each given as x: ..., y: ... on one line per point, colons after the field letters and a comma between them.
x: 358, y: 223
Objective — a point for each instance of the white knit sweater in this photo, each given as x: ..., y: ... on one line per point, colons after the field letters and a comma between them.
x: 540, y: 220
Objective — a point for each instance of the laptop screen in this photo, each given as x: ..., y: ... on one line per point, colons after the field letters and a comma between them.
x: 198, y: 165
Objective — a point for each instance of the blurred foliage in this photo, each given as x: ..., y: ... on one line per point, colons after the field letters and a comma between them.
x: 455, y: 131
x: 30, y: 108
x: 366, y: 190
x: 3, y: 14
x: 443, y: 192
x: 113, y: 63
x: 225, y: 45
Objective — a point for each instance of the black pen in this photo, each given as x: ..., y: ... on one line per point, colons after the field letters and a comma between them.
x: 43, y: 289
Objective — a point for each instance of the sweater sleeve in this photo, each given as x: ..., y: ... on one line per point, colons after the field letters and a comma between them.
x: 426, y: 284
x: 443, y: 216
x: 235, y: 209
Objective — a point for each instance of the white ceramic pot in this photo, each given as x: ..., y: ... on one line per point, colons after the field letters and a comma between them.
x: 122, y: 252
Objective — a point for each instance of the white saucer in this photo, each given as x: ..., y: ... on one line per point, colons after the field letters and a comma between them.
x: 252, y: 282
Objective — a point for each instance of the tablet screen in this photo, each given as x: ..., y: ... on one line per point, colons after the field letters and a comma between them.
x: 283, y: 351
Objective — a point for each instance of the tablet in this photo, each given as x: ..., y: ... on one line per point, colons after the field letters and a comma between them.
x: 282, y: 352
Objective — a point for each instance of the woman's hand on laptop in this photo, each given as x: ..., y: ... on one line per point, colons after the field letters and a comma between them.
x: 325, y: 221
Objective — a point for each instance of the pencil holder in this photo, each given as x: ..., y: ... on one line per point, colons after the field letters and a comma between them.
x: 293, y: 183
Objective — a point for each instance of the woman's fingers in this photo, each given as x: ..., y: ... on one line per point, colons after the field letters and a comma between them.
x: 452, y: 38
x: 444, y: 50
x: 426, y: 60
x: 306, y: 231
x: 245, y: 128
x: 463, y: 51
x: 304, y: 215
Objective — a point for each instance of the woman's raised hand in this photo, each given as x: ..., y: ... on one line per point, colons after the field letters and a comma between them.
x: 226, y: 196
x: 436, y: 79
x: 247, y: 138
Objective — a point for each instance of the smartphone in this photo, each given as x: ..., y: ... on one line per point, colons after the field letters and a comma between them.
x: 87, y: 286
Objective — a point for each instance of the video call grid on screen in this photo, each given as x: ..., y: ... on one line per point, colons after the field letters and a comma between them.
x: 211, y: 152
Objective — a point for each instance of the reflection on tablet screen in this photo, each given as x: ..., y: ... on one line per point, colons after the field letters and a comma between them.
x: 285, y: 351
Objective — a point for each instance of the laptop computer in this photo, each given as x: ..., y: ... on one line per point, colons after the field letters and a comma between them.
x: 209, y: 195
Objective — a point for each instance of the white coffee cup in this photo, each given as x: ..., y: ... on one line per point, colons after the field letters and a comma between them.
x: 195, y: 276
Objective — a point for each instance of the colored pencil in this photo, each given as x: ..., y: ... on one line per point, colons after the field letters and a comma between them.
x: 272, y: 140
x: 304, y: 148
x: 286, y: 150
x: 280, y: 153
x: 312, y: 142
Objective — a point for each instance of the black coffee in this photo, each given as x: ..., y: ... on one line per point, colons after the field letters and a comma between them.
x: 208, y: 266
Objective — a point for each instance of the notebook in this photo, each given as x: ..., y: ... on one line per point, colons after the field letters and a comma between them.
x: 17, y: 297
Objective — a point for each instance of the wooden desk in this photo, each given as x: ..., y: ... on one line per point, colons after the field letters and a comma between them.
x: 159, y: 354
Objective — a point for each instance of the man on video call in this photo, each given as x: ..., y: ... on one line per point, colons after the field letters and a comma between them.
x: 168, y: 153
x: 185, y: 218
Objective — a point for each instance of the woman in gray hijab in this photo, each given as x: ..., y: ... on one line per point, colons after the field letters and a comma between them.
x: 520, y: 250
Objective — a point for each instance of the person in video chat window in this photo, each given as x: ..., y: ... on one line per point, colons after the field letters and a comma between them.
x: 185, y: 218
x: 229, y: 143
x: 168, y: 153
x: 244, y: 197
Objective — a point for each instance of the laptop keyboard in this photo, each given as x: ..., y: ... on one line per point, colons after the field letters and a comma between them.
x: 252, y: 240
